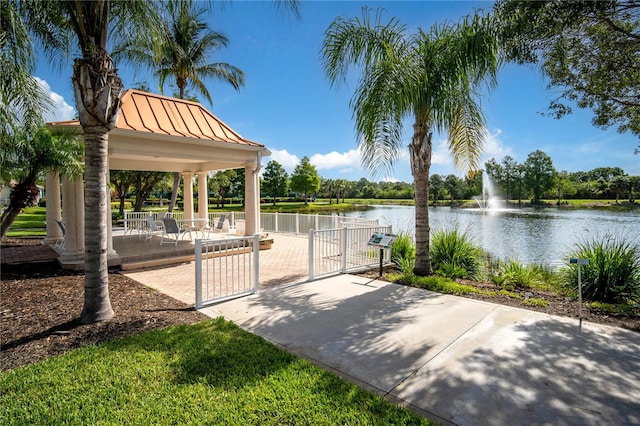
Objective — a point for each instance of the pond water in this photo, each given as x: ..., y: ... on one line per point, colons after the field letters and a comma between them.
x: 544, y: 236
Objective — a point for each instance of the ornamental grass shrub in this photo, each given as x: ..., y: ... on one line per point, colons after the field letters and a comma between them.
x: 403, y: 252
x: 454, y: 255
x: 613, y: 272
x: 512, y: 274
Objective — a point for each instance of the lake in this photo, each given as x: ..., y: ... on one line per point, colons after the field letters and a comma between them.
x: 544, y: 236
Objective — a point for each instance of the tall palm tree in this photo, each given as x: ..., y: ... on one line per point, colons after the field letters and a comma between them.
x: 22, y: 100
x: 432, y: 76
x: 97, y: 88
x: 181, y: 50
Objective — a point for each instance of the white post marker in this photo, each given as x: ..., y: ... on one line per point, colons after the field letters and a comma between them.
x: 579, y: 262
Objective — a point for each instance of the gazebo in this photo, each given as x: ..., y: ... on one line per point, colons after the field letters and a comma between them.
x: 158, y: 133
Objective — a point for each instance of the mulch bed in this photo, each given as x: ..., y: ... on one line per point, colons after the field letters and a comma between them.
x: 40, y: 313
x: 557, y: 305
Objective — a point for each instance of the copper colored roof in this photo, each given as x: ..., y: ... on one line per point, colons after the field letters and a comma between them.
x: 147, y: 112
x: 151, y: 113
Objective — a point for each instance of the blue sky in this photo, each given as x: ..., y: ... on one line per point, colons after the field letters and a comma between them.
x: 289, y: 106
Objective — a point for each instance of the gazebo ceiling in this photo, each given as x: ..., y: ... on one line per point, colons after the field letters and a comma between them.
x: 159, y: 133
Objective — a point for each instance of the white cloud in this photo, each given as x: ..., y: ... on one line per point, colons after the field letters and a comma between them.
x: 346, y: 161
x: 286, y: 160
x: 441, y: 155
x: 60, y: 110
x: 494, y: 147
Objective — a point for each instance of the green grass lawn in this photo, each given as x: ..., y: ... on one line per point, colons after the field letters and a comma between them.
x: 31, y: 222
x: 207, y: 373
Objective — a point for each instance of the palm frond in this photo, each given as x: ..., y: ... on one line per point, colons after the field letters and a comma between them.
x: 358, y: 42
x: 466, y: 135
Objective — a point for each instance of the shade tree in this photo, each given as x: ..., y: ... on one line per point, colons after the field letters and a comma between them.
x: 588, y: 49
x: 305, y: 179
x: 275, y: 181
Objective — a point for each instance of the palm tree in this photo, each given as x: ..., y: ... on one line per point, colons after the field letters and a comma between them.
x: 181, y: 49
x: 97, y: 88
x: 27, y: 156
x: 433, y: 76
x: 22, y: 100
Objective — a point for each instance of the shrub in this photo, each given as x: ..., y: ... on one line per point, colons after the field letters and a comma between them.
x: 624, y: 309
x: 512, y: 274
x: 613, y: 272
x: 438, y: 284
x: 403, y: 252
x: 451, y: 271
x: 452, y: 249
x: 535, y: 302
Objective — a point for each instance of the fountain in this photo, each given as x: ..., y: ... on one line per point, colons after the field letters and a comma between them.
x: 488, y: 200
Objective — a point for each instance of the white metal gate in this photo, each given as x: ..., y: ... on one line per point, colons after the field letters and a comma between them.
x: 226, y: 269
x: 343, y: 250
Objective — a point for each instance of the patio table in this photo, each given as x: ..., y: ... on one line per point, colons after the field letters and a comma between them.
x: 135, y: 225
x: 197, y: 225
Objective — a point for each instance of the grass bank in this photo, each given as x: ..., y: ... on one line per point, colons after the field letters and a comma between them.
x: 31, y: 222
x: 207, y: 373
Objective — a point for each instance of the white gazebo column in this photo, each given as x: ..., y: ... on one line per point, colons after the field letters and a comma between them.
x: 188, y: 195
x: 53, y: 213
x: 72, y: 257
x: 252, y: 200
x: 203, y: 196
x: 112, y: 257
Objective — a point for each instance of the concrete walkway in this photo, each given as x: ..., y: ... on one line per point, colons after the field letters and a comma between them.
x: 452, y: 359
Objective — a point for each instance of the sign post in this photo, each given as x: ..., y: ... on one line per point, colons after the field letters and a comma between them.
x: 579, y: 262
x: 382, y: 241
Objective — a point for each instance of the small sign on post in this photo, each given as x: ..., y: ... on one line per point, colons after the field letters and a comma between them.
x: 579, y: 262
x: 382, y: 241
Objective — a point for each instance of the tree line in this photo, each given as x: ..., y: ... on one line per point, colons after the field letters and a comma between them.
x: 535, y: 179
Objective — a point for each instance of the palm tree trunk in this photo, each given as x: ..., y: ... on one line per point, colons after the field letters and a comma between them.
x: 22, y: 195
x: 420, y: 154
x: 97, y: 305
x: 97, y: 89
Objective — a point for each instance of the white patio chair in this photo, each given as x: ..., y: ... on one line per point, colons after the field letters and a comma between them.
x: 59, y: 245
x: 153, y: 228
x: 171, y: 228
x: 220, y: 228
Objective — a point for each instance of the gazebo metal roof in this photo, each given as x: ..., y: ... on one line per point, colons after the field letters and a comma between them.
x: 159, y: 133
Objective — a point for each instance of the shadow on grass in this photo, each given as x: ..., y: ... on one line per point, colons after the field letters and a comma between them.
x: 214, y: 352
x: 211, y: 372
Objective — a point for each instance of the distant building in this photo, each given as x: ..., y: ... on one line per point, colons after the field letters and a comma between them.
x: 5, y: 192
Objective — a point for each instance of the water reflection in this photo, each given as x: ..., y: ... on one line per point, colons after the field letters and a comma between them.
x: 531, y: 236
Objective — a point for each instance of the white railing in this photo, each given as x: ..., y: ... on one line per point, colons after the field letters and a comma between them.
x: 297, y: 223
x: 226, y: 269
x: 343, y: 250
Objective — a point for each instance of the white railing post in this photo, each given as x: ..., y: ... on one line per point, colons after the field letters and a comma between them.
x: 126, y: 217
x: 317, y: 220
x: 198, y: 274
x: 233, y: 219
x: 343, y: 248
x: 276, y: 224
x: 256, y: 263
x: 311, y: 254
x: 297, y: 223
